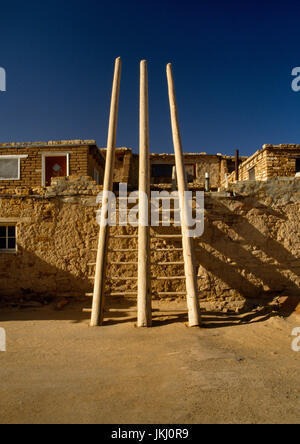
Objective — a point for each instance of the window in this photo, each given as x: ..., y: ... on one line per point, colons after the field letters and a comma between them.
x: 252, y: 174
x: 190, y: 172
x: 8, y: 238
x: 297, y: 165
x: 10, y: 167
x: 96, y: 176
x: 162, y: 170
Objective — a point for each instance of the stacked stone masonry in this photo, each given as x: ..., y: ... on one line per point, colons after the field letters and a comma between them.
x: 84, y: 158
x: 269, y: 162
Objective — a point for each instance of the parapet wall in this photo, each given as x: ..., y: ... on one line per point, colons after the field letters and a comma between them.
x: 249, y: 252
x: 270, y: 162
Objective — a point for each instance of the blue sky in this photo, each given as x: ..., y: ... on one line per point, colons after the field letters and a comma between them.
x: 232, y: 65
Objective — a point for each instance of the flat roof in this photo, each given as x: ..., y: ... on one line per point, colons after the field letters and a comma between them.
x: 49, y: 143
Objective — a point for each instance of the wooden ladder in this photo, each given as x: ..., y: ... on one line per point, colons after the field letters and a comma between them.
x: 143, y: 235
x: 167, y: 249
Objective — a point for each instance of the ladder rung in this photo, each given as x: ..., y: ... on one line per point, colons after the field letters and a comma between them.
x: 123, y: 263
x: 167, y: 263
x: 122, y: 293
x: 156, y: 199
x: 164, y: 210
x: 167, y: 277
x: 89, y: 295
x: 166, y: 249
x: 166, y: 236
x: 110, y: 250
x: 86, y: 310
x: 124, y: 236
x: 163, y: 293
x: 124, y: 210
x: 117, y: 278
x: 91, y: 277
x: 91, y: 263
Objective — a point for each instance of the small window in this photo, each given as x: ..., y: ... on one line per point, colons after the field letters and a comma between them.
x: 96, y: 176
x: 297, y: 165
x: 9, y: 168
x: 252, y: 174
x: 190, y: 172
x: 162, y: 170
x: 8, y: 238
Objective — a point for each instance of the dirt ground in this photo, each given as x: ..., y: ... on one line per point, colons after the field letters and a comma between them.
x: 236, y: 369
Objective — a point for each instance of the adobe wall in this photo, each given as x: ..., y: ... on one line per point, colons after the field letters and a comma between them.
x: 249, y: 252
x: 126, y: 168
x: 216, y: 165
x: 122, y: 165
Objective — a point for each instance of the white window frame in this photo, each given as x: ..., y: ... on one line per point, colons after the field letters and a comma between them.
x: 53, y: 154
x: 14, y: 156
x: 10, y: 250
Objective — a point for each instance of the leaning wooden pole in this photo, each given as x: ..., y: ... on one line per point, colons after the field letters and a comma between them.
x: 187, y: 241
x: 99, y: 282
x: 144, y: 292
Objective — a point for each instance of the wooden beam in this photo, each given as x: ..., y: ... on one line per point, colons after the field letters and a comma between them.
x: 187, y: 242
x: 99, y: 295
x: 144, y: 293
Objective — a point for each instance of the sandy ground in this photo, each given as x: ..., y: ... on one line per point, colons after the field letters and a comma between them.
x: 236, y: 369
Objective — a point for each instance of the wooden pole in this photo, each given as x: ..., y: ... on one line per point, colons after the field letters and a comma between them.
x: 144, y: 292
x: 99, y: 282
x: 237, y: 153
x: 187, y: 242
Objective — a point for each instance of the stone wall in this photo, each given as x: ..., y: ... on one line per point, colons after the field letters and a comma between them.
x: 249, y: 252
x: 271, y: 161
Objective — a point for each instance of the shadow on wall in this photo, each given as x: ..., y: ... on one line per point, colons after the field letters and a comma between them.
x: 238, y: 251
x: 26, y: 276
x: 246, y: 258
x: 27, y: 282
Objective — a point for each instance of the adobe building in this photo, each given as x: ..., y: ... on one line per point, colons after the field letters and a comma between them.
x: 197, y: 165
x: 34, y: 164
x: 162, y: 166
x: 249, y: 252
x: 269, y: 162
